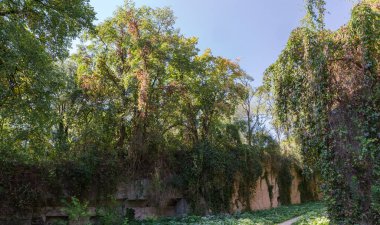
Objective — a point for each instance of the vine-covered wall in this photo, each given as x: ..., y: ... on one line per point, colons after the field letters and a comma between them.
x: 326, y: 85
x: 207, y: 179
x: 140, y: 197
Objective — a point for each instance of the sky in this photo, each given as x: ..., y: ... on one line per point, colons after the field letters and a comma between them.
x: 253, y: 31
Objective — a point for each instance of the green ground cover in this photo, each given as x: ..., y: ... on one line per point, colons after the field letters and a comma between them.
x: 318, y: 216
x: 311, y: 211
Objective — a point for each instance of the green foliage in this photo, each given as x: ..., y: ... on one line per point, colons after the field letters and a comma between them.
x: 315, y: 14
x: 22, y: 186
x: 76, y: 210
x: 209, y: 171
x: 111, y: 216
x: 25, y: 186
x: 212, y: 220
x: 309, y: 189
x: 376, y: 197
x: 53, y: 23
x: 315, y: 217
x: 177, y: 94
x: 135, y: 91
x: 34, y: 34
x: 265, y: 217
x: 324, y: 85
x: 60, y: 222
x: 137, y: 100
x: 285, y: 181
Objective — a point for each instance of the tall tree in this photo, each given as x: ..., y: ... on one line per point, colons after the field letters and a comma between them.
x: 34, y: 34
x: 126, y: 64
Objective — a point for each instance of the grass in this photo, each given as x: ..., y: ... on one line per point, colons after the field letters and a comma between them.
x: 264, y: 217
x: 315, y: 217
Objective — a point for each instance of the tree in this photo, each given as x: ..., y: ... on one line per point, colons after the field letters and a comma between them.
x: 126, y: 66
x: 212, y: 96
x: 54, y: 24
x: 155, y: 79
x: 34, y: 34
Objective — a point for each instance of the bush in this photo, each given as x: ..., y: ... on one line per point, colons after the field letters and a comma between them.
x: 111, y: 216
x: 75, y: 209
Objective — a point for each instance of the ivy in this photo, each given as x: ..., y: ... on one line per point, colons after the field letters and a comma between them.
x: 325, y: 86
x: 285, y: 179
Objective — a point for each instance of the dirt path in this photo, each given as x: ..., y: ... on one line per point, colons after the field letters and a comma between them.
x: 290, y: 222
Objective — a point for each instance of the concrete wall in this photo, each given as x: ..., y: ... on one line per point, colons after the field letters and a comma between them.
x: 138, y: 196
x: 295, y: 194
x: 261, y: 196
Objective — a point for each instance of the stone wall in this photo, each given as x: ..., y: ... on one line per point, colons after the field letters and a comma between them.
x: 295, y: 193
x: 262, y: 198
x: 138, y: 196
x: 266, y: 192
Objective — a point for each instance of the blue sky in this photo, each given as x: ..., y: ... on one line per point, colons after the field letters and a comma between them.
x: 255, y: 31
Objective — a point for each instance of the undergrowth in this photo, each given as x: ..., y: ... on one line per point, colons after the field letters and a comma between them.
x: 264, y: 217
x: 316, y: 217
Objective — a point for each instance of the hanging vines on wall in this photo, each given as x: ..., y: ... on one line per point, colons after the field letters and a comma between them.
x: 326, y: 87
